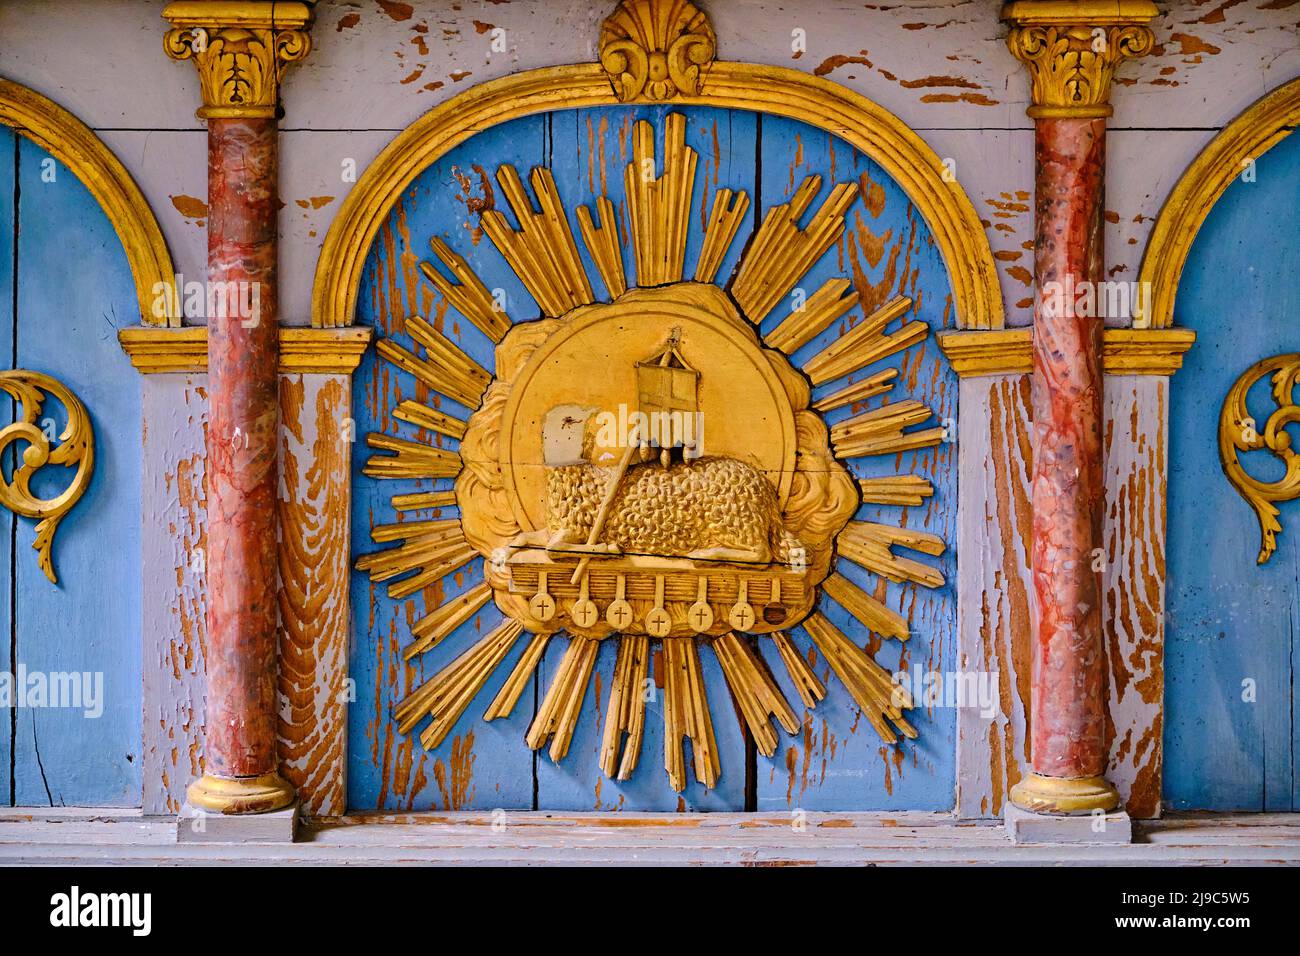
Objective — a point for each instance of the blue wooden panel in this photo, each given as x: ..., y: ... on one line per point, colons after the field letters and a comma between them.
x: 74, y: 291
x: 8, y: 718
x: 839, y: 762
x: 1230, y: 620
x: 479, y: 765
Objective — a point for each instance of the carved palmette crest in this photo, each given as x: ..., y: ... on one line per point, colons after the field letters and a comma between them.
x: 1240, y: 432
x: 714, y: 537
x: 656, y: 49
x: 74, y: 448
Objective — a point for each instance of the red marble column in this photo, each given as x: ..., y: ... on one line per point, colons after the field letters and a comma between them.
x: 1068, y: 703
x: 241, y: 762
x: 1071, y: 49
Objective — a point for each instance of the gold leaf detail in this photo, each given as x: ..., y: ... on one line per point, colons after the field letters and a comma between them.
x: 1238, y: 431
x: 76, y: 449
x: 656, y: 49
x: 659, y: 208
x: 782, y: 252
x: 542, y: 252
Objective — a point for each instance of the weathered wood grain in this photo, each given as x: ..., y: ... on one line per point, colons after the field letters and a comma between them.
x: 58, y: 836
x: 993, y: 586
x: 172, y: 554
x: 1133, y: 584
x: 316, y: 436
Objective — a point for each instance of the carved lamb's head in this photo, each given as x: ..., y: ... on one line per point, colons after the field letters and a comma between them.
x: 569, y: 436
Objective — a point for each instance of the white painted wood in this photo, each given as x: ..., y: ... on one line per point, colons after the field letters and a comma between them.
x: 538, y: 839
x: 173, y: 545
x: 993, y: 588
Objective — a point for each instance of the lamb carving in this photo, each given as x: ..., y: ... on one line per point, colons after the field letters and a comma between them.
x: 709, y: 508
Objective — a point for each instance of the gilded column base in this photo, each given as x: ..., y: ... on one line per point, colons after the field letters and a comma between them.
x: 1064, y: 795
x: 261, y: 794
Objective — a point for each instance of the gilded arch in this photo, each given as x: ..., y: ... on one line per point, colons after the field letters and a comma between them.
x: 775, y: 90
x: 73, y: 143
x: 1261, y: 127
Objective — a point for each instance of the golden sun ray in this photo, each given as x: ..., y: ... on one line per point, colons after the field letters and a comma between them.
x: 871, y: 386
x: 430, y: 630
x: 515, y: 684
x: 724, y: 221
x: 686, y: 714
x: 866, y: 343
x: 410, y: 459
x: 821, y: 309
x: 871, y: 614
x: 870, y: 684
x: 558, y: 715
x: 444, y: 369
x: 869, y: 544
x: 542, y: 252
x: 881, y: 431
x: 906, y: 490
x: 422, y: 416
x: 445, y: 696
x: 811, y: 689
x: 659, y: 207
x: 625, y: 714
x: 434, y: 548
x: 420, y: 500
x: 755, y: 692
x: 782, y: 253
x: 471, y: 297
x: 602, y: 243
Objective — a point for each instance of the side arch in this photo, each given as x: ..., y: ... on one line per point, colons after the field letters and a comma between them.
x: 780, y: 91
x: 73, y: 143
x: 1257, y: 130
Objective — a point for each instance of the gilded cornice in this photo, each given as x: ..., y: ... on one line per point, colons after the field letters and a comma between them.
x: 319, y: 351
x: 1073, y: 48
x: 240, y: 50
x: 1010, y: 351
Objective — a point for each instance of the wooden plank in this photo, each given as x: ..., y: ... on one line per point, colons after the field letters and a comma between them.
x: 173, y: 556
x: 994, y: 620
x: 74, y: 290
x: 316, y: 437
x: 538, y: 839
x: 8, y: 166
x: 838, y: 761
x: 1133, y: 581
x: 1232, y: 626
x: 993, y: 615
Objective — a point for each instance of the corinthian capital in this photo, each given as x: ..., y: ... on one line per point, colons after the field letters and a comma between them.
x: 240, y: 49
x: 1072, y: 48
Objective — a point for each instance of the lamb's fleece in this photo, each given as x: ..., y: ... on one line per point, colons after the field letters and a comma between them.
x: 687, y: 507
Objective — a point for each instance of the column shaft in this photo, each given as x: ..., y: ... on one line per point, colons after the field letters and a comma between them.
x: 242, y: 429
x: 1068, y: 704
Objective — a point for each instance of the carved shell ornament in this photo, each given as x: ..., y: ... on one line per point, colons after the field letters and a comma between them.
x: 74, y: 448
x: 656, y: 49
x: 1240, y: 432
x: 595, y: 520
